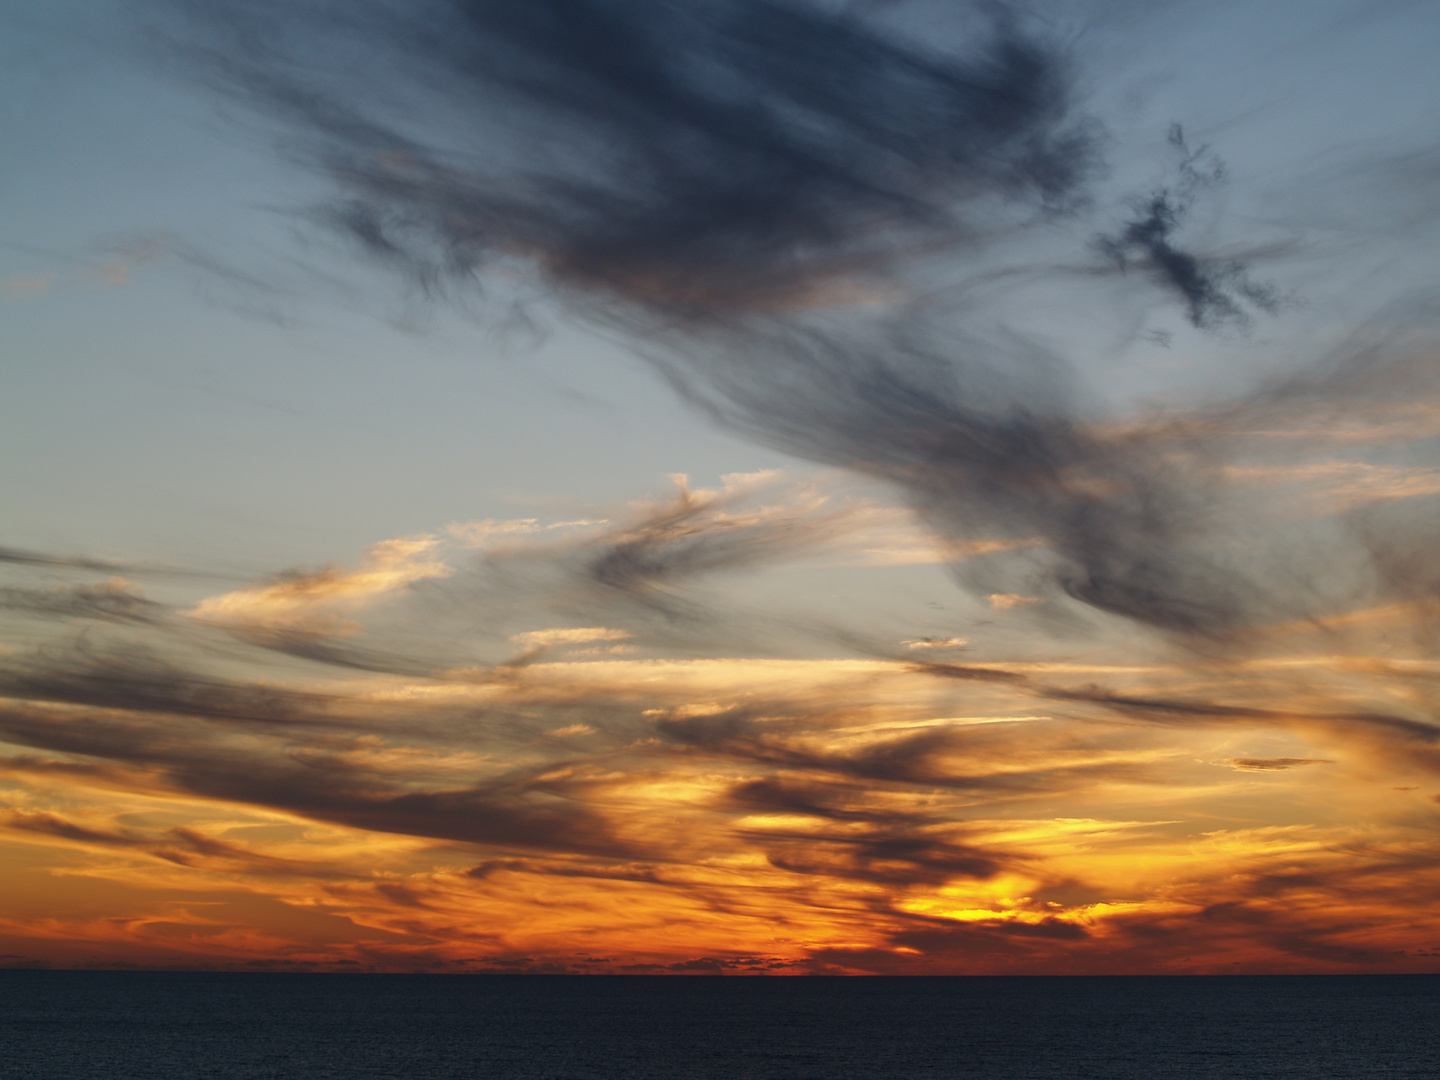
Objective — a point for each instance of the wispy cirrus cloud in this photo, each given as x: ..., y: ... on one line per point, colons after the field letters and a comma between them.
x: 842, y: 268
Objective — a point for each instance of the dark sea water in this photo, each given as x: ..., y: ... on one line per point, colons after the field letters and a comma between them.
x: 118, y: 1026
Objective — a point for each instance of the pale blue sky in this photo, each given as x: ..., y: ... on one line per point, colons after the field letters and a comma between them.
x: 172, y: 416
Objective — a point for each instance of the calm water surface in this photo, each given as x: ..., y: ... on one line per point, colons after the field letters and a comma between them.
x: 119, y: 1026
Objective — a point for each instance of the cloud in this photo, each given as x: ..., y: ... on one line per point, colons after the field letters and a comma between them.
x: 573, y: 729
x: 569, y: 635
x: 845, y: 269
x: 114, y: 600
x: 936, y: 643
x: 50, y: 825
x: 719, y: 798
x: 31, y: 558
x: 706, y: 531
x: 1273, y: 764
x: 311, y: 601
x: 1006, y: 601
x: 141, y: 678
x: 1211, y: 291
x: 714, y: 160
x: 491, y: 533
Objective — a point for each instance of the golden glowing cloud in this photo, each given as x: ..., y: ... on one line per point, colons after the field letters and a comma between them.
x: 267, y: 778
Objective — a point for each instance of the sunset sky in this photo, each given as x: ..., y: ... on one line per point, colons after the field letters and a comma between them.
x: 748, y: 486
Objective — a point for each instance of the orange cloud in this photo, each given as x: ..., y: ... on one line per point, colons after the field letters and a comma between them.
x: 313, y: 601
x: 339, y: 770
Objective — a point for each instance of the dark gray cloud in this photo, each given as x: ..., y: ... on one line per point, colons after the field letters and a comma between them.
x: 179, y: 845
x: 978, y: 759
x: 317, y: 779
x: 709, y: 176
x: 693, y: 158
x: 1125, y: 519
x: 1212, y: 290
x: 52, y: 825
x: 139, y: 679
x: 34, y: 558
x: 1273, y: 764
x: 889, y: 846
x: 45, y: 560
x: 111, y: 601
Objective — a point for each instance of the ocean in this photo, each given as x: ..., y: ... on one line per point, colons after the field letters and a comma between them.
x: 216, y: 1026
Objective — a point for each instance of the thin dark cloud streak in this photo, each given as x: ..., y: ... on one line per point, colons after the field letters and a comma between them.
x: 694, y: 536
x: 121, y: 568
x: 110, y: 601
x: 35, y: 558
x: 140, y: 681
x: 306, y: 777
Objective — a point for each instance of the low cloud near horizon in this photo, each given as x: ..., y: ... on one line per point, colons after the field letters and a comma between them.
x: 491, y: 727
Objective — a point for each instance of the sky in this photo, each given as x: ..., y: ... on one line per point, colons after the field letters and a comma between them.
x: 720, y: 486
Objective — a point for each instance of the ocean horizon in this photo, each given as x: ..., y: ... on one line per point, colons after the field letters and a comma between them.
x: 155, y: 1025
